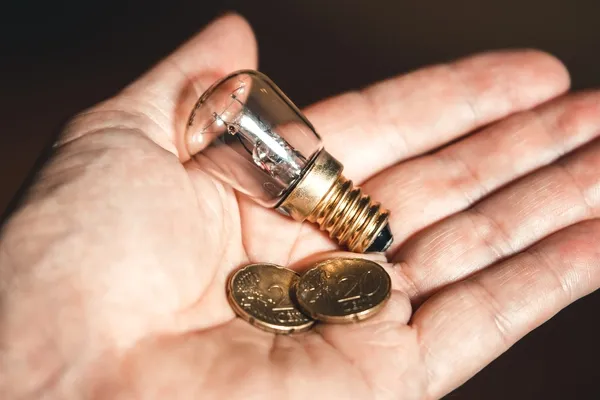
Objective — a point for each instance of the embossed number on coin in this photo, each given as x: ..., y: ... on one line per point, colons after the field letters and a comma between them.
x: 343, y: 290
x: 260, y: 294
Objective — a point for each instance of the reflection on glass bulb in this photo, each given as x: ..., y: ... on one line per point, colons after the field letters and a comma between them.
x: 269, y: 150
x: 246, y: 132
x: 245, y: 118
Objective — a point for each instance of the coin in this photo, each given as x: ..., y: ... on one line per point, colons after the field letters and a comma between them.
x: 343, y: 290
x: 260, y: 294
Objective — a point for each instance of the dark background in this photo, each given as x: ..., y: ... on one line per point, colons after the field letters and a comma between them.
x: 58, y: 57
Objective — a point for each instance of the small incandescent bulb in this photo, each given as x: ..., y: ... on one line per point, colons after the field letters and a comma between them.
x: 247, y: 133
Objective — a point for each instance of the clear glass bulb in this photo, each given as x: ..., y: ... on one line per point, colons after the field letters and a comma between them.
x: 248, y: 133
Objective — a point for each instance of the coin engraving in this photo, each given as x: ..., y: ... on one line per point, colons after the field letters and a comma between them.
x: 343, y: 290
x: 260, y: 293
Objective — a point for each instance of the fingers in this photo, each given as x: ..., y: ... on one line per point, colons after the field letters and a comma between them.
x: 346, y: 123
x: 412, y: 114
x: 422, y: 191
x: 159, y: 103
x: 476, y: 320
x: 519, y: 215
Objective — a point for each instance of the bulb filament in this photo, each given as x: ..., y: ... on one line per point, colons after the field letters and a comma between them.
x: 267, y: 149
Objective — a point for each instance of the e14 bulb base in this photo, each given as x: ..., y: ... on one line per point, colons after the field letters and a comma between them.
x: 325, y: 197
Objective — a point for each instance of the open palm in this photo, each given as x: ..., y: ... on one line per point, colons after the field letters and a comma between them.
x: 114, y: 267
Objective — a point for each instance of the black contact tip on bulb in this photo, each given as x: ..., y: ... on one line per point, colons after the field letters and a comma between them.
x: 382, y: 242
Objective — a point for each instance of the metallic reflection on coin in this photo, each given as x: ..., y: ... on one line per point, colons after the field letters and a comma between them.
x: 343, y: 290
x: 260, y: 294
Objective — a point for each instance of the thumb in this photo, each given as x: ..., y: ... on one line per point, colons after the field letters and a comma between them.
x: 161, y: 100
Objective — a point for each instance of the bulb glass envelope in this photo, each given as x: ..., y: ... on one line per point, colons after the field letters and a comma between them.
x: 245, y: 131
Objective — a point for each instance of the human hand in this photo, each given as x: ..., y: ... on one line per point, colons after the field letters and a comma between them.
x: 113, y: 269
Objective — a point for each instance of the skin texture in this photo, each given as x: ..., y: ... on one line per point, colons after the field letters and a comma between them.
x: 112, y: 271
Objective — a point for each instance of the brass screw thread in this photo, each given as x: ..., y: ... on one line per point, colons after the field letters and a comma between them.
x: 350, y: 217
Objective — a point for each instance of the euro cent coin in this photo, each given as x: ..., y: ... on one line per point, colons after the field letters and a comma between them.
x: 343, y: 290
x: 260, y: 294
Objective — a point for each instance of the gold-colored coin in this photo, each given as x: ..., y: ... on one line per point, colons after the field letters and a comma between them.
x: 343, y: 290
x: 260, y: 294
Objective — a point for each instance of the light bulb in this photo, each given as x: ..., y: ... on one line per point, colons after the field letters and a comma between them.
x: 246, y: 132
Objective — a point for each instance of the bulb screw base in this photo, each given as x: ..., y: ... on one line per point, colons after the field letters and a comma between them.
x: 351, y: 218
x: 325, y: 197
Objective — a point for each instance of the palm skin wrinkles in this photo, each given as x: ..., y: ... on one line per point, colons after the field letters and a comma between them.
x: 113, y: 269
